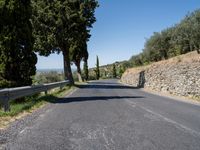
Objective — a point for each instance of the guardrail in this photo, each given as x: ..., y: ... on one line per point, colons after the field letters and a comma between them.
x: 13, y: 93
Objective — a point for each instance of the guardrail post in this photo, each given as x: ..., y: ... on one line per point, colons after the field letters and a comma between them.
x: 46, y: 92
x: 61, y: 87
x: 6, y: 104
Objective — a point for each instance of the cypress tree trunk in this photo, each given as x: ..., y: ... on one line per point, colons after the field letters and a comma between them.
x: 79, y: 72
x: 198, y: 50
x: 67, y: 67
x: 85, y: 68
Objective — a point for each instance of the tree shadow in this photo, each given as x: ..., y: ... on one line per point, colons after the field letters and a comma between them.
x: 94, y: 82
x: 104, y: 86
x: 90, y: 98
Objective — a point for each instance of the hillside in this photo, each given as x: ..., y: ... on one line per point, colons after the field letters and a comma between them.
x: 178, y: 75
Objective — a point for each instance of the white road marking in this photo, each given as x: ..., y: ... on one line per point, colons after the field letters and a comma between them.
x: 22, y: 131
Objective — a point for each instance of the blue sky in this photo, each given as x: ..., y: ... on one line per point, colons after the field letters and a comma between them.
x: 122, y: 27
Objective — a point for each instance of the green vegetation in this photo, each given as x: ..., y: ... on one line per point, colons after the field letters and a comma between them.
x: 47, y: 77
x: 97, y: 71
x: 64, y: 26
x: 179, y: 39
x: 121, y: 70
x: 182, y: 38
x: 17, y: 59
x: 29, y: 26
x: 35, y: 101
x: 108, y: 71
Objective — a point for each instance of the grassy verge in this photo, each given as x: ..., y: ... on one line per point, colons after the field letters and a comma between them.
x: 30, y: 104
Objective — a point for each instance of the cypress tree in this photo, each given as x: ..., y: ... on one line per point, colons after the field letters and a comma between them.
x: 60, y: 26
x: 97, y: 69
x: 78, y: 45
x: 17, y: 59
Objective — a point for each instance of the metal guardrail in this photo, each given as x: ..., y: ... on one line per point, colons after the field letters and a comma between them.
x: 13, y: 93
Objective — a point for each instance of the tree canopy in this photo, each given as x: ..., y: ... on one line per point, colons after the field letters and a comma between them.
x: 63, y: 26
x: 45, y: 27
x: 17, y: 59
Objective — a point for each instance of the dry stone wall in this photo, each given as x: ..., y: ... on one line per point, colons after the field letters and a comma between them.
x: 179, y: 76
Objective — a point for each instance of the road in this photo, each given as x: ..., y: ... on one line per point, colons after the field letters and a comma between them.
x: 105, y: 115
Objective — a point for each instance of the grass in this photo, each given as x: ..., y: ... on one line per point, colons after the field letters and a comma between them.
x: 33, y: 102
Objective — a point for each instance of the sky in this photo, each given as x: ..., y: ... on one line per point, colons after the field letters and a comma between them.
x: 123, y: 26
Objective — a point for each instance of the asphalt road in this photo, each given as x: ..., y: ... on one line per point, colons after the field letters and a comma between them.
x: 105, y: 115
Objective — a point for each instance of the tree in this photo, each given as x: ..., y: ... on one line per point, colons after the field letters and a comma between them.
x: 76, y: 57
x: 97, y: 71
x: 79, y: 53
x: 17, y: 59
x: 176, y: 40
x: 53, y: 24
x: 79, y: 43
x: 114, y: 73
x: 58, y: 26
x: 195, y: 21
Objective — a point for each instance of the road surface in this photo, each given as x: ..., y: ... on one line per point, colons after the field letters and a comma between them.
x: 105, y: 115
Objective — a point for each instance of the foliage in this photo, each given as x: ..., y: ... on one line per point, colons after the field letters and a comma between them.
x: 106, y: 71
x: 121, y: 71
x: 97, y: 71
x: 17, y: 60
x: 176, y: 40
x: 62, y: 26
x: 78, y: 45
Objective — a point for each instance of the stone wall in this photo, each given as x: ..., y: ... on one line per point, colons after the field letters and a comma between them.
x: 179, y: 76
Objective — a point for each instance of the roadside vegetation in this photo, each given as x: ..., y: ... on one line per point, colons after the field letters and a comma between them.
x: 31, y: 103
x: 109, y: 71
x: 179, y: 39
x: 44, y: 27
x: 35, y: 101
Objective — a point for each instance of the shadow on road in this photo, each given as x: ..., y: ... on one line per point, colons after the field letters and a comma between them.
x: 98, y: 85
x: 104, y: 82
x: 92, y: 98
x: 104, y: 86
